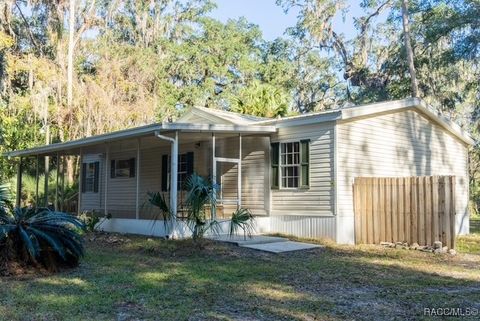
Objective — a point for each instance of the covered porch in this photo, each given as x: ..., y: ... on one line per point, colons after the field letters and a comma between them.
x: 117, y: 170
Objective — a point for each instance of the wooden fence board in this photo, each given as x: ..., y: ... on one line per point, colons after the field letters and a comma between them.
x: 452, y: 210
x: 428, y: 210
x: 401, y: 205
x: 388, y: 210
x: 368, y: 207
x: 363, y: 212
x: 381, y: 208
x: 394, y: 210
x: 408, y: 209
x: 397, y: 209
x: 435, y: 214
x: 414, y: 204
x: 376, y: 215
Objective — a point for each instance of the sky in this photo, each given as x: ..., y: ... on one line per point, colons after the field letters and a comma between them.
x: 271, y: 18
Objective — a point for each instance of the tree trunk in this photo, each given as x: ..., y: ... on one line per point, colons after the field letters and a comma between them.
x: 408, y: 48
x: 70, y: 170
x: 71, y: 43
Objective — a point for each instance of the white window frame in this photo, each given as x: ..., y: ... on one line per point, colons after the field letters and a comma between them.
x: 283, y: 165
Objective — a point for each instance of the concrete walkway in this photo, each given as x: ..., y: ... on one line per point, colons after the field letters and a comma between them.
x: 272, y: 244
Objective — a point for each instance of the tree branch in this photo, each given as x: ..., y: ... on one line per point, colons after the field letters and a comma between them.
x: 85, y: 24
x: 30, y: 34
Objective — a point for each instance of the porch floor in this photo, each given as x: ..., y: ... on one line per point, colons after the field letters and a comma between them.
x: 264, y: 243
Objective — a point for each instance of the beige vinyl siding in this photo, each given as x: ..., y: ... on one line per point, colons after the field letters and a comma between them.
x: 91, y: 201
x: 403, y: 143
x: 318, y: 200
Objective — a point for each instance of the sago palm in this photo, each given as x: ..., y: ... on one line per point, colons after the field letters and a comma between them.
x: 40, y: 235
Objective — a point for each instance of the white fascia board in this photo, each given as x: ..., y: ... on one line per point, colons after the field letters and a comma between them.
x: 83, y: 142
x: 376, y: 108
x: 305, y: 119
x: 142, y: 131
x: 446, y: 123
x: 219, y: 128
x: 418, y: 104
x: 352, y: 113
x: 197, y: 112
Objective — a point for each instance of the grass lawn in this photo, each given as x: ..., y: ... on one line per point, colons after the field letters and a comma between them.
x: 143, y: 279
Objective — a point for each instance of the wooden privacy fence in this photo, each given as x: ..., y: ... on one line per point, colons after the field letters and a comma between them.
x: 405, y: 209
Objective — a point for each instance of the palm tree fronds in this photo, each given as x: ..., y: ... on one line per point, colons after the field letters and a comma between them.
x: 242, y: 219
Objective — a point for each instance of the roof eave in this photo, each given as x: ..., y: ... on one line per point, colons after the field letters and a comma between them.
x: 352, y: 113
x: 141, y: 131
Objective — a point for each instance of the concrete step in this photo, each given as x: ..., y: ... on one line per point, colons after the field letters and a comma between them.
x: 280, y: 247
x: 240, y: 240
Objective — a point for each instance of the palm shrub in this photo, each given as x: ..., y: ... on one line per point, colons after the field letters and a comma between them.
x: 39, y: 236
x: 242, y: 219
x: 158, y: 200
x: 200, y: 193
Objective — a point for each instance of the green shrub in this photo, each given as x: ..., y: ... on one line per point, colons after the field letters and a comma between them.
x: 242, y: 219
x: 39, y: 236
x: 200, y: 193
x: 90, y: 220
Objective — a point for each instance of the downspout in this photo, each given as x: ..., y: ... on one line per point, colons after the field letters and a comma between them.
x: 173, y: 179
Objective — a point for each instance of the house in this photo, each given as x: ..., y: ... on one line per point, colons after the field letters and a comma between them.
x: 294, y: 173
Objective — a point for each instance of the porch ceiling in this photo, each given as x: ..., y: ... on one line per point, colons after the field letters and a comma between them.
x: 73, y: 147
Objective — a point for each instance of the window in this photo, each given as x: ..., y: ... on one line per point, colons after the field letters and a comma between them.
x: 290, y: 164
x: 122, y: 168
x: 185, y: 169
x: 182, y: 170
x: 90, y: 172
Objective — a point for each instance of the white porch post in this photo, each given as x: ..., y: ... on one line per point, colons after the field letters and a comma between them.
x: 239, y: 176
x: 80, y: 183
x: 19, y: 183
x: 37, y: 170
x: 174, y: 177
x: 46, y: 177
x: 56, y: 181
x: 137, y: 187
x: 214, y: 178
x: 105, y: 192
x: 62, y: 186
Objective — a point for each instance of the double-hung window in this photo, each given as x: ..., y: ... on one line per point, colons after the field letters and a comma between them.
x: 290, y: 165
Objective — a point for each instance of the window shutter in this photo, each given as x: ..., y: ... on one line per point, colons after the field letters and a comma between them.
x: 275, y: 157
x: 112, y: 168
x: 96, y: 175
x: 164, y: 173
x: 84, y: 176
x: 131, y: 162
x: 305, y: 163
